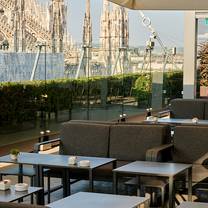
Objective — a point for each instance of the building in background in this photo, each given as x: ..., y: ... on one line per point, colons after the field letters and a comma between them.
x: 24, y: 23
x: 114, y: 33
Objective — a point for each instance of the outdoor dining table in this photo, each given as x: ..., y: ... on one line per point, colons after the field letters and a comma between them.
x: 179, y: 121
x: 95, y: 200
x: 40, y: 161
x: 193, y: 205
x: 147, y: 168
x: 11, y: 195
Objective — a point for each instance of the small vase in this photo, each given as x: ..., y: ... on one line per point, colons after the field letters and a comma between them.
x: 13, y: 157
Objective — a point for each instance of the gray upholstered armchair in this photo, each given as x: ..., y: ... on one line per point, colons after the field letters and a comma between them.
x: 186, y: 109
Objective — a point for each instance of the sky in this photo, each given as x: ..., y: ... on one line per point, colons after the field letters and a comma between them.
x: 169, y: 25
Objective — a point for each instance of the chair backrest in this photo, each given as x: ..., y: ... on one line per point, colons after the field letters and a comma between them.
x: 85, y: 139
x: 190, y: 143
x: 130, y: 142
x: 17, y: 205
x: 168, y: 128
x: 187, y: 108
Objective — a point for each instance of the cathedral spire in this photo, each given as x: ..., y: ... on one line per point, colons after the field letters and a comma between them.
x: 114, y: 32
x: 87, y: 28
x: 19, y: 26
x: 57, y: 26
x: 106, y: 5
x: 105, y: 35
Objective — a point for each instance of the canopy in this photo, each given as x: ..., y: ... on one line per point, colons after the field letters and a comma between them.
x: 163, y: 4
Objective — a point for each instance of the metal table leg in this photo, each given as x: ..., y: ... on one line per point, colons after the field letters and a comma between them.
x: 115, y: 183
x: 171, y: 192
x: 39, y: 182
x: 40, y: 197
x: 37, y: 175
x: 20, y: 175
x: 66, y: 183
x: 91, y: 182
x: 189, y: 172
x: 115, y: 164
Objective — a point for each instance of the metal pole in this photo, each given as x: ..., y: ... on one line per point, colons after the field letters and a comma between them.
x: 45, y: 91
x: 36, y: 63
x: 150, y: 74
x: 88, y: 85
x: 45, y: 69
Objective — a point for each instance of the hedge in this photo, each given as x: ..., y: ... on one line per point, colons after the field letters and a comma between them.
x: 20, y: 102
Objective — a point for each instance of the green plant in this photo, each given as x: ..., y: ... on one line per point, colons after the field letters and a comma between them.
x: 14, y: 152
x: 142, y: 88
x: 22, y: 102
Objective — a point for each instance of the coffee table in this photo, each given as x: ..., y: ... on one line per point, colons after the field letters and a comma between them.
x: 41, y: 161
x: 11, y: 195
x: 193, y: 205
x: 146, y: 168
x: 95, y: 200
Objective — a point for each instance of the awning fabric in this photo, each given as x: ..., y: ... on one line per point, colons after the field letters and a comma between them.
x: 163, y: 4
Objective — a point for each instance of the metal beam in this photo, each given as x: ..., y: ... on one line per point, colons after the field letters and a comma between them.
x: 190, y: 55
x: 163, y: 4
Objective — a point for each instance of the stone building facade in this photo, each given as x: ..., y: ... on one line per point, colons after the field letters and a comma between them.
x: 24, y: 23
x: 114, y: 33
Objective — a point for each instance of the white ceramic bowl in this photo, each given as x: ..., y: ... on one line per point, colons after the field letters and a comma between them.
x: 21, y: 187
x: 195, y: 120
x: 84, y: 163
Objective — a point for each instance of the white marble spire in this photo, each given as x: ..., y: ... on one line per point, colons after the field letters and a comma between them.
x: 87, y: 28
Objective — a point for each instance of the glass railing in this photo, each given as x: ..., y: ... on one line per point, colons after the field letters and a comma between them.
x: 97, y: 92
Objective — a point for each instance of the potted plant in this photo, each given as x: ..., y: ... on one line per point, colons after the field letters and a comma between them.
x: 14, y: 154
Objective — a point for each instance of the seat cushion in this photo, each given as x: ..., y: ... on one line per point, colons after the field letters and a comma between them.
x: 130, y: 142
x: 190, y: 143
x: 16, y: 205
x: 187, y: 108
x: 85, y: 139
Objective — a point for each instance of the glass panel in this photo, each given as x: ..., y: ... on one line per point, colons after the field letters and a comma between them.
x: 202, y: 45
x: 157, y: 90
x: 73, y: 81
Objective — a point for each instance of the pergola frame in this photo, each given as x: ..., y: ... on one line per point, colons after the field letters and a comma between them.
x: 194, y: 10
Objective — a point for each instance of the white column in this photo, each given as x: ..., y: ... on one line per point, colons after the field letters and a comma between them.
x: 190, y: 54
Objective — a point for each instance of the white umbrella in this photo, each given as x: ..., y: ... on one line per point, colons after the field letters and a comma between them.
x: 163, y: 4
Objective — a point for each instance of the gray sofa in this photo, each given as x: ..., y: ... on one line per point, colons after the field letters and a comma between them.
x: 111, y: 140
x: 189, y: 108
x: 125, y: 142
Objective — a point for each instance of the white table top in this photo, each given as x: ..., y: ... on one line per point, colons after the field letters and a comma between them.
x: 153, y: 168
x: 193, y: 205
x: 52, y: 160
x: 95, y: 200
x: 181, y: 121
